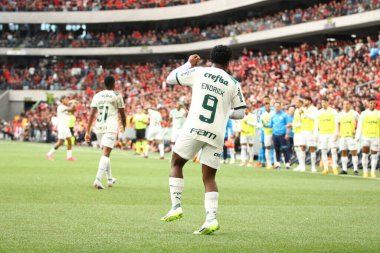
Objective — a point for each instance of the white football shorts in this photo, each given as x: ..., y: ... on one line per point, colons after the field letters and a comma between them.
x: 106, y: 139
x: 268, y: 140
x: 64, y: 133
x: 373, y: 143
x: 187, y: 148
x: 348, y: 143
x: 154, y: 133
x: 308, y: 139
x: 247, y: 139
x: 326, y: 141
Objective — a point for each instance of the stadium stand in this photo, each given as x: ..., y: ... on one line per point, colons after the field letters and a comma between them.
x: 35, y: 38
x: 88, y: 5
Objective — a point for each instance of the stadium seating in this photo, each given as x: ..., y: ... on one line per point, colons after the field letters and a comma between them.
x: 88, y: 5
x: 185, y: 34
x: 333, y: 69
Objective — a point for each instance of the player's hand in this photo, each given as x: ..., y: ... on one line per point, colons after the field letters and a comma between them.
x: 121, y: 129
x: 194, y: 59
x: 287, y: 137
x: 336, y: 137
x: 87, y: 137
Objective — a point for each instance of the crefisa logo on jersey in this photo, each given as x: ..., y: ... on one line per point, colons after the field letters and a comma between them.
x: 216, y: 78
x: 203, y: 133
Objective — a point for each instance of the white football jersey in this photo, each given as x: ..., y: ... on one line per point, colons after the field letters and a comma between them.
x: 155, y: 119
x: 214, y: 93
x: 63, y: 115
x: 107, y: 102
x: 178, y: 117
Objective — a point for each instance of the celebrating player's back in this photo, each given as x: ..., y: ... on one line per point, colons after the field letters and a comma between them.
x: 214, y: 94
x: 108, y: 104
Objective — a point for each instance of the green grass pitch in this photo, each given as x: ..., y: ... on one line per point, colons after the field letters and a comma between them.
x: 51, y: 207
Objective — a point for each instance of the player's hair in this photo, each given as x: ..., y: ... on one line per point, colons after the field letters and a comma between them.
x: 221, y: 55
x: 300, y: 101
x: 62, y: 98
x: 372, y: 99
x: 109, y: 82
x: 307, y: 98
x: 266, y: 97
x: 324, y: 99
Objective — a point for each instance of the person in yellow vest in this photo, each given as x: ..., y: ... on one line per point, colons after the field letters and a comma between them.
x: 140, y: 120
x: 309, y: 132
x: 327, y: 122
x: 369, y: 133
x: 296, y: 128
x: 247, y: 135
x: 265, y: 120
x: 348, y: 119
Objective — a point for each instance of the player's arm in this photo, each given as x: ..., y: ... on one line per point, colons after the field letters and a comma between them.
x: 238, y: 103
x: 336, y: 121
x: 88, y: 128
x: 183, y: 75
x: 237, y: 113
x: 359, y: 129
x: 122, y: 117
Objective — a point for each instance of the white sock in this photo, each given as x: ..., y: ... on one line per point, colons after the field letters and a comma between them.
x: 211, y: 205
x: 373, y: 163
x: 52, y: 150
x: 334, y: 155
x: 161, y: 148
x: 243, y: 153
x: 355, y: 161
x: 103, y: 165
x: 109, y: 171
x: 313, y: 157
x: 302, y: 159
x: 176, y: 188
x: 232, y: 153
x: 267, y: 156
x: 344, y: 163
x: 325, y: 160
x: 250, y: 151
x: 69, y: 153
x: 147, y: 149
x: 365, y: 163
x: 297, y: 150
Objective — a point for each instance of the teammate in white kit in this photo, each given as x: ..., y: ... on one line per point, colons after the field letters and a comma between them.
x: 155, y: 132
x: 107, y: 104
x: 214, y: 94
x: 177, y: 117
x: 64, y: 132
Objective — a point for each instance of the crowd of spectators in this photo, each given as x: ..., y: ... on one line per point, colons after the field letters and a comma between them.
x: 185, y: 34
x: 88, y: 5
x: 333, y: 70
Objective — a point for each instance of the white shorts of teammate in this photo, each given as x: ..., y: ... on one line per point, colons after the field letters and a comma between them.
x: 64, y: 133
x: 327, y: 141
x: 187, y: 148
x: 154, y: 133
x: 268, y: 140
x: 247, y: 139
x: 175, y: 134
x: 308, y: 139
x: 348, y: 143
x: 373, y: 143
x: 297, y: 139
x: 106, y: 139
